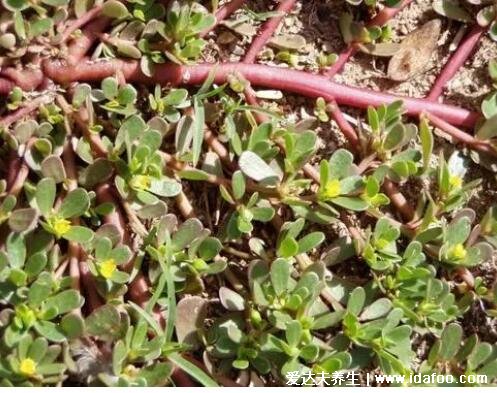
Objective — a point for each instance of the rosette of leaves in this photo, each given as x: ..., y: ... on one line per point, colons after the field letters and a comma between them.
x: 169, y: 106
x: 137, y: 21
x: 44, y: 307
x: 339, y: 183
x: 277, y: 302
x: 17, y: 267
x: 31, y: 20
x: 132, y: 360
x: 33, y: 362
x: 298, y: 145
x: 57, y: 220
x: 457, y: 250
x: 380, y: 248
x: 229, y: 342
x: 15, y: 98
x: 140, y: 176
x: 114, y: 98
x: 51, y: 113
x: 184, y: 23
x: 255, y: 209
x: 378, y: 328
x: 282, y: 299
x: 463, y: 11
x: 387, y: 140
x: 298, y: 347
x: 104, y: 265
x: 451, y: 353
x: 288, y: 245
x: 192, y: 251
x: 40, y: 141
x: 412, y: 286
x: 298, y: 149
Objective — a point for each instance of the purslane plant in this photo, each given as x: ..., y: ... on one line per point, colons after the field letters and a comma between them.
x: 103, y: 283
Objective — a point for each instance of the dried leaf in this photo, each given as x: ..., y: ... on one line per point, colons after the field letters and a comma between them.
x: 293, y: 42
x: 415, y: 51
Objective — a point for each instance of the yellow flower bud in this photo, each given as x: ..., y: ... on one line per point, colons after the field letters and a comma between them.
x: 61, y: 226
x: 458, y: 252
x: 28, y: 367
x: 107, y: 268
x: 140, y: 182
x: 332, y: 189
x: 455, y: 181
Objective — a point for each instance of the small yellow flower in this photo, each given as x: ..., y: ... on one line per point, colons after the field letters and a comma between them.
x: 381, y: 244
x: 332, y: 189
x: 107, y: 268
x: 458, y: 251
x: 140, y: 182
x: 61, y: 226
x: 455, y: 181
x: 28, y: 367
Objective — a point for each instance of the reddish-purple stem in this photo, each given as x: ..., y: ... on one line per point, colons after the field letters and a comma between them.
x: 347, y: 130
x: 26, y: 79
x: 398, y: 200
x: 456, y: 61
x: 298, y: 82
x: 343, y: 58
x: 81, y: 45
x: 265, y: 34
x: 267, y: 31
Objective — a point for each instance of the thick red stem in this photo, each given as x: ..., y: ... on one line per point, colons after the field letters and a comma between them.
x: 26, y: 79
x: 299, y: 82
x: 267, y: 31
x: 457, y: 60
x: 81, y: 45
